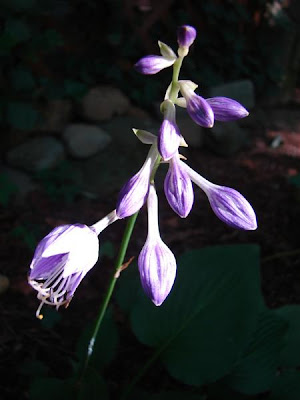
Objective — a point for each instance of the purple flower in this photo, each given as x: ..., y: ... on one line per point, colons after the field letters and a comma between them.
x: 134, y: 193
x: 178, y: 188
x: 186, y: 35
x: 169, y: 137
x: 197, y: 107
x: 157, y: 264
x: 151, y: 65
x: 226, y: 109
x: 228, y: 204
x: 60, y: 262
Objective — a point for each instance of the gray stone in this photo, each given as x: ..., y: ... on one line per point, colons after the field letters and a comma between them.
x: 225, y: 138
x: 56, y: 115
x: 241, y: 91
x: 85, y: 140
x: 192, y: 133
x: 36, y: 154
x: 21, y: 180
x: 102, y: 102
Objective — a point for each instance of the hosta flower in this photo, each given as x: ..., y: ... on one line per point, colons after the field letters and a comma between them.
x: 178, y: 188
x: 226, y: 109
x: 152, y: 64
x: 228, y: 204
x: 134, y: 193
x: 157, y: 264
x: 185, y: 36
x: 197, y: 107
x: 62, y: 259
x: 169, y: 137
x: 60, y: 262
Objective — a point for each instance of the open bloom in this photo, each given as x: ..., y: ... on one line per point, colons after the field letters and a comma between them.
x: 178, y: 188
x: 134, y: 193
x: 227, y: 203
x: 62, y: 259
x: 157, y: 264
x: 169, y: 137
x: 60, y: 262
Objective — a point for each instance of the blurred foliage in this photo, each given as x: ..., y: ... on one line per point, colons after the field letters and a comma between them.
x: 60, y: 183
x: 7, y: 190
x: 59, y: 48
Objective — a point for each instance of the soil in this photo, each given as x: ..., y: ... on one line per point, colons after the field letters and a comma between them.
x: 260, y: 172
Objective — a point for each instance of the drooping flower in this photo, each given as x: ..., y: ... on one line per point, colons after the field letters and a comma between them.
x: 226, y: 109
x: 228, y: 204
x: 169, y: 137
x: 134, y: 193
x: 186, y: 35
x: 197, y: 107
x: 62, y: 259
x: 178, y: 188
x: 156, y: 262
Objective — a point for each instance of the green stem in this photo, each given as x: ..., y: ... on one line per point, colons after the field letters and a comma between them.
x: 174, y: 88
x: 109, y: 292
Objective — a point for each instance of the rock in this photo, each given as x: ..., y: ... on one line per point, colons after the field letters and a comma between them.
x: 57, y: 113
x: 225, y: 138
x: 84, y: 140
x: 22, y: 182
x: 241, y: 91
x: 4, y: 284
x: 102, y: 102
x: 192, y: 133
x: 36, y: 154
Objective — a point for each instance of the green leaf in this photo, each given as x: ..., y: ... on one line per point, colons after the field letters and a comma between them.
x: 105, y: 345
x: 290, y: 355
x: 257, y: 369
x: 207, y: 320
x: 50, y: 317
x: 7, y: 190
x: 33, y: 367
x: 286, y: 386
x: 22, y: 115
x: 107, y: 249
x: 75, y: 89
x: 93, y: 387
x: 22, y: 79
x: 51, y: 388
x: 18, y: 30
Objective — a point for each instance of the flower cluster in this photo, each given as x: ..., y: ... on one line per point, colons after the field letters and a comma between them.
x: 66, y: 254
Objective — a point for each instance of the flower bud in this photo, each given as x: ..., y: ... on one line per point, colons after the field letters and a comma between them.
x: 151, y: 65
x: 228, y: 204
x: 186, y: 35
x: 156, y: 262
x: 197, y: 107
x: 178, y: 188
x: 169, y: 137
x: 226, y: 109
x: 134, y: 193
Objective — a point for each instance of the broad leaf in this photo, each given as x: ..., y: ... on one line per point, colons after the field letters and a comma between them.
x: 286, y: 386
x: 290, y: 355
x: 256, y: 370
x: 22, y: 115
x: 207, y: 320
x: 105, y: 345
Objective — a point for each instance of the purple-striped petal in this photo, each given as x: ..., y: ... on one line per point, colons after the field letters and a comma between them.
x: 186, y: 35
x: 178, y: 188
x: 226, y: 109
x: 151, y: 65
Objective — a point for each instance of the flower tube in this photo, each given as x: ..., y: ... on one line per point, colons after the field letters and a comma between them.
x: 227, y: 203
x: 134, y: 193
x: 156, y: 262
x: 169, y: 137
x: 178, y: 188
